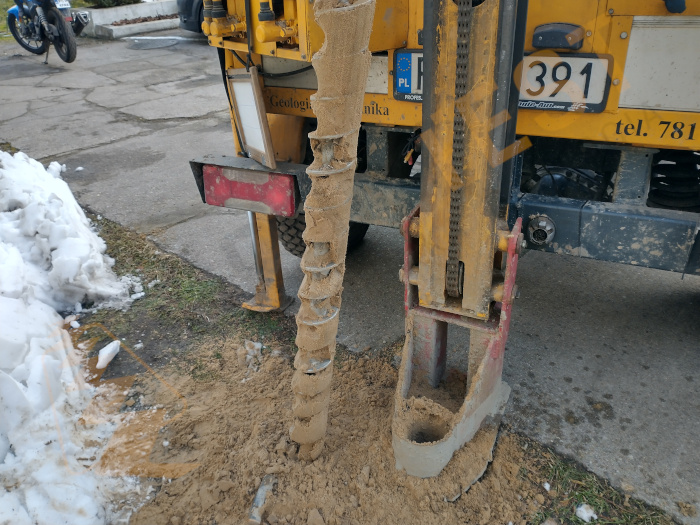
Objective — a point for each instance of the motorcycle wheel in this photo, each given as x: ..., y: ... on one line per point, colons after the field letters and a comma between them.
x: 38, y: 47
x: 64, y: 43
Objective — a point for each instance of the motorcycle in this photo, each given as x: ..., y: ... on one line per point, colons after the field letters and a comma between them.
x: 47, y: 22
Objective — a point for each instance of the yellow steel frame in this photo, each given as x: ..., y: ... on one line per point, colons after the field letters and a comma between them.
x: 269, y: 292
x: 479, y: 229
x: 434, y: 205
x: 604, y: 21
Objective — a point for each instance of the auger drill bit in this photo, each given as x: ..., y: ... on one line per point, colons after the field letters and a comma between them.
x: 341, y: 68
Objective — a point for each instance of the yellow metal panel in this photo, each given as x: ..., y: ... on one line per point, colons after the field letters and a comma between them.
x: 378, y: 109
x: 620, y: 27
x: 650, y: 8
x: 582, y: 13
x: 390, y: 26
x: 389, y: 31
x: 629, y: 126
x: 308, y: 27
x: 288, y: 139
x: 415, y: 22
x: 611, y: 37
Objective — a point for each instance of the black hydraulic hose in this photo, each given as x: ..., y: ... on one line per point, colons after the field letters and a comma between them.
x: 273, y: 75
x: 239, y: 59
x: 287, y: 73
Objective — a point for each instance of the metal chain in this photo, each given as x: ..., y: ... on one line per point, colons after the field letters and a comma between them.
x: 453, y: 283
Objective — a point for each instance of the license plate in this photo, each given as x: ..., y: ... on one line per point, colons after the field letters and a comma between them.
x: 408, y: 75
x: 62, y: 4
x: 565, y: 83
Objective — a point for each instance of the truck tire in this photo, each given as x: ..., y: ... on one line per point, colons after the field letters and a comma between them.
x: 290, y: 230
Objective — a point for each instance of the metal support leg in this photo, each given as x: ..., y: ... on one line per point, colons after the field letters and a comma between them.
x: 430, y: 345
x: 269, y: 292
x: 633, y: 176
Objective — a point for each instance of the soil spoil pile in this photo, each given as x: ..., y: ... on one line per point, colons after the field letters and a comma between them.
x: 236, y: 429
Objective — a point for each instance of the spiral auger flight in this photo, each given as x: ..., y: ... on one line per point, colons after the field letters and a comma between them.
x: 341, y: 68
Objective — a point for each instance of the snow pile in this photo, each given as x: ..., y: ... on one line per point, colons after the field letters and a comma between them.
x: 50, y: 259
x: 47, y: 248
x: 586, y: 513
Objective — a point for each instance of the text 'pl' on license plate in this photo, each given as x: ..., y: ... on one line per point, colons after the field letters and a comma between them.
x: 408, y: 75
x: 565, y: 83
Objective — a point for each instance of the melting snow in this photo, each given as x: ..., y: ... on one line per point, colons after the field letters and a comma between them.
x: 586, y: 513
x: 51, y: 260
x: 107, y: 354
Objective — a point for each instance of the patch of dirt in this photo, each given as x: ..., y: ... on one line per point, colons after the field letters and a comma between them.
x: 687, y: 509
x: 140, y: 19
x: 236, y: 429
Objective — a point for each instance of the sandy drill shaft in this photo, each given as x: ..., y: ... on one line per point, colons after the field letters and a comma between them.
x: 341, y: 68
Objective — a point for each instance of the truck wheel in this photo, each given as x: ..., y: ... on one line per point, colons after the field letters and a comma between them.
x: 290, y: 230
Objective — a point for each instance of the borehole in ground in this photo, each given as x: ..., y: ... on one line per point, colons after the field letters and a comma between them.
x: 425, y: 432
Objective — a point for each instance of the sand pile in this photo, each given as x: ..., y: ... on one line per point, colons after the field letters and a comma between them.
x: 236, y: 428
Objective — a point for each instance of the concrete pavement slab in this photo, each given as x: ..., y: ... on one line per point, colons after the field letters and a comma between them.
x: 155, y: 75
x: 65, y: 134
x: 128, y: 96
x: 14, y: 93
x: 30, y: 70
x: 116, y: 70
x: 68, y: 105
x: 8, y: 111
x: 77, y: 80
x: 603, y: 361
x: 212, y: 99
x: 186, y: 83
x: 145, y: 182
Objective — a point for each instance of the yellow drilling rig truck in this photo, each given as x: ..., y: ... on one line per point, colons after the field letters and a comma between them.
x: 487, y: 127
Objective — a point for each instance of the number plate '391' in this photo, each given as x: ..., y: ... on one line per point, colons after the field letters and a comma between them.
x: 565, y: 83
